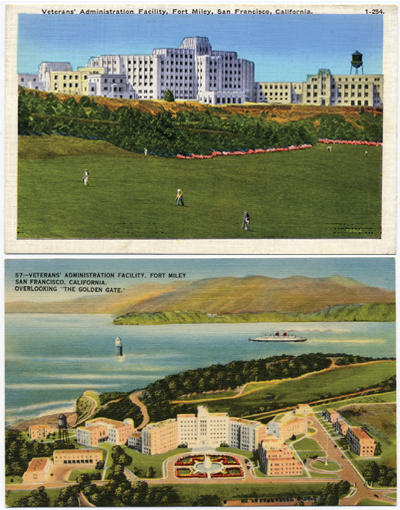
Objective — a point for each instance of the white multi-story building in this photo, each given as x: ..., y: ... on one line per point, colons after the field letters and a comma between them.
x: 194, y: 71
x: 110, y: 85
x: 205, y: 429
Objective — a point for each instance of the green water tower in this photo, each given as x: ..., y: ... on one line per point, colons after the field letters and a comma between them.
x: 356, y: 62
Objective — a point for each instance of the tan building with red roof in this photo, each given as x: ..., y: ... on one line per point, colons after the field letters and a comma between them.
x: 38, y: 471
x: 39, y: 432
x: 360, y: 442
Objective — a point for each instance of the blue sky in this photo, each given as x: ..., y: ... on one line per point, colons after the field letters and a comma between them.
x: 283, y: 47
x: 376, y: 272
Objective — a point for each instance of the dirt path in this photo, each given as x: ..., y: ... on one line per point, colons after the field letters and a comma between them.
x: 92, y: 411
x: 135, y: 400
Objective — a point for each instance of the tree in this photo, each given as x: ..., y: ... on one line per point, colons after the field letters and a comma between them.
x: 150, y: 472
x: 169, y: 96
x: 100, y: 464
x: 371, y: 472
x: 378, y: 449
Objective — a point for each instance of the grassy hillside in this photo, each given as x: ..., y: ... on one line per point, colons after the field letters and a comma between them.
x: 301, y: 194
x: 335, y: 382
x: 374, y: 313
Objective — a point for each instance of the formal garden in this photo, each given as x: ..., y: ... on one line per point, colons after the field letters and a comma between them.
x: 208, y: 466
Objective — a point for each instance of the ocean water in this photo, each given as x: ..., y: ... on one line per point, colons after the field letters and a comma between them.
x: 52, y: 359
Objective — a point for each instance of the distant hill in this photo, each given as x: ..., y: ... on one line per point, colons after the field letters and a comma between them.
x: 227, y: 295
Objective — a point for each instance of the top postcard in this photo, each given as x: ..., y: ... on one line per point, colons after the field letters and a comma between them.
x: 181, y: 129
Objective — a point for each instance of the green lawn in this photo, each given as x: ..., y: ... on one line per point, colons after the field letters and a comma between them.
x: 372, y: 502
x: 189, y: 492
x: 13, y: 479
x: 306, y: 444
x: 391, y: 495
x: 76, y: 472
x: 313, y: 474
x: 304, y: 455
x: 249, y: 455
x: 338, y: 381
x: 143, y: 462
x: 301, y: 194
x: 331, y: 466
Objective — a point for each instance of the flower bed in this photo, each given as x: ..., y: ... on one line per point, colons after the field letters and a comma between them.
x: 188, y: 473
x: 190, y: 460
x: 245, y: 153
x: 224, y: 459
x: 234, y: 472
x: 351, y: 142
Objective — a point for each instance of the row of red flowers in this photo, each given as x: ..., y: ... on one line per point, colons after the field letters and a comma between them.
x: 245, y: 153
x: 226, y: 460
x: 351, y: 142
x: 228, y: 473
x: 188, y: 473
x: 189, y: 461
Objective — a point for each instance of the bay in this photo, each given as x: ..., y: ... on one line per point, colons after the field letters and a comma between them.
x: 51, y: 359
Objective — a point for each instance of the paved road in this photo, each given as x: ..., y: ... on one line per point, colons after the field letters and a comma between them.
x: 348, y: 471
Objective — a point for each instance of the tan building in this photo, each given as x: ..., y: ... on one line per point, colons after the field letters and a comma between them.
x: 100, y: 430
x: 325, y: 89
x: 278, y: 459
x: 73, y: 82
x: 87, y: 458
x: 160, y: 437
x: 39, y: 432
x: 304, y: 409
x: 331, y: 415
x: 278, y: 92
x: 92, y: 435
x: 341, y: 426
x: 360, y: 442
x: 287, y: 426
x: 38, y: 471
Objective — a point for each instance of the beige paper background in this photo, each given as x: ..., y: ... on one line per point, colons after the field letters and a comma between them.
x: 385, y: 245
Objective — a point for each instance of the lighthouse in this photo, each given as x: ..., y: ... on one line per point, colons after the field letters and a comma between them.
x: 118, y: 346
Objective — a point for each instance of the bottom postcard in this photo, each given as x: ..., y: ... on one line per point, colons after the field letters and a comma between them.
x: 200, y: 382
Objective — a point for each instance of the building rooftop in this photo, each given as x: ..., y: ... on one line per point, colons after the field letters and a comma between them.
x: 37, y: 464
x: 361, y: 433
x: 38, y: 427
x: 77, y: 450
